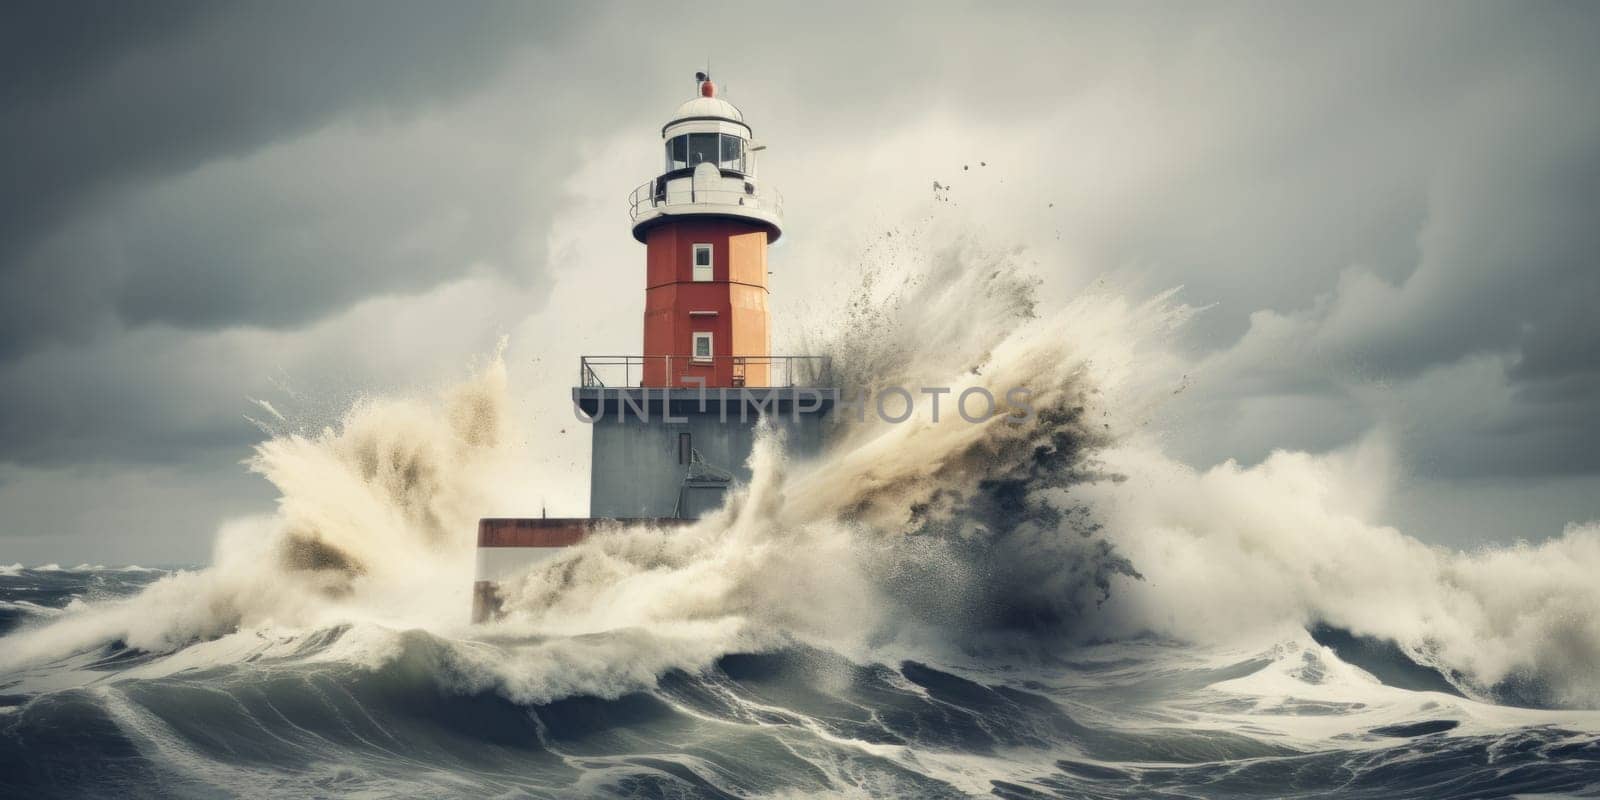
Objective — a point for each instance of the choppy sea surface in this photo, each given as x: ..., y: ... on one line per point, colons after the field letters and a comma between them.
x: 301, y: 715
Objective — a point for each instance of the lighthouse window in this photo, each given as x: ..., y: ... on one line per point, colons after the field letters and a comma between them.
x: 702, y: 262
x: 677, y: 152
x: 691, y: 149
x: 702, y: 148
x: 702, y: 346
x: 732, y: 153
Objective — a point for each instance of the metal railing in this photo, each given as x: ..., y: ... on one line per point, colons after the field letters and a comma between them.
x: 744, y: 371
x: 654, y: 195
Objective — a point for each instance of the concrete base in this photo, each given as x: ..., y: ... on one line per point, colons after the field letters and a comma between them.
x: 644, y: 440
x: 660, y: 457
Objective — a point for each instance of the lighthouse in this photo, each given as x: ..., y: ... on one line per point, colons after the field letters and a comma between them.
x: 706, y: 222
x: 672, y: 427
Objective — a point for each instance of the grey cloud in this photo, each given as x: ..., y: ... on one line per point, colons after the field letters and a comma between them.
x: 165, y: 396
x: 1417, y: 214
x: 107, y: 98
x: 1506, y: 274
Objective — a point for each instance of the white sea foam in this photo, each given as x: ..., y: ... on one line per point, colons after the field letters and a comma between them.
x: 1230, y: 551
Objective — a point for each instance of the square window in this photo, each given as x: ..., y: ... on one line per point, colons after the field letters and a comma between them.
x: 702, y: 262
x: 702, y: 346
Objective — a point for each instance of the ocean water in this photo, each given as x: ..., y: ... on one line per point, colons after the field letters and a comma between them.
x: 313, y: 713
x: 1048, y: 609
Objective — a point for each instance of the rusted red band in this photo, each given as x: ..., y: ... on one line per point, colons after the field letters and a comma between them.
x: 516, y: 532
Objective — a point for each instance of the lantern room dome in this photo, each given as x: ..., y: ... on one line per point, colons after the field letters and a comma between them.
x: 703, y: 107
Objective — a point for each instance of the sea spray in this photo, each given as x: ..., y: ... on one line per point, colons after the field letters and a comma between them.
x: 1234, y: 553
x: 922, y: 531
x: 373, y: 523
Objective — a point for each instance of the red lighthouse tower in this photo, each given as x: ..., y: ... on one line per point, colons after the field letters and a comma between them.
x: 706, y: 222
x: 671, y: 431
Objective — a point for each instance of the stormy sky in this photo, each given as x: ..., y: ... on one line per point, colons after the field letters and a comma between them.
x: 1388, y: 211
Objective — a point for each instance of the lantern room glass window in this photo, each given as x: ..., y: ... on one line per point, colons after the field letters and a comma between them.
x: 732, y: 153
x: 692, y: 149
x: 677, y: 153
x: 702, y: 148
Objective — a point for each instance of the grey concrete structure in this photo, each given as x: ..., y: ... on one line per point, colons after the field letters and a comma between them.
x: 661, y: 452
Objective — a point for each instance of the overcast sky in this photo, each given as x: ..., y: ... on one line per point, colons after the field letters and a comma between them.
x: 1389, y: 210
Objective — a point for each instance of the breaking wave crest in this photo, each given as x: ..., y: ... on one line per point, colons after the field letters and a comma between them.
x: 373, y: 524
